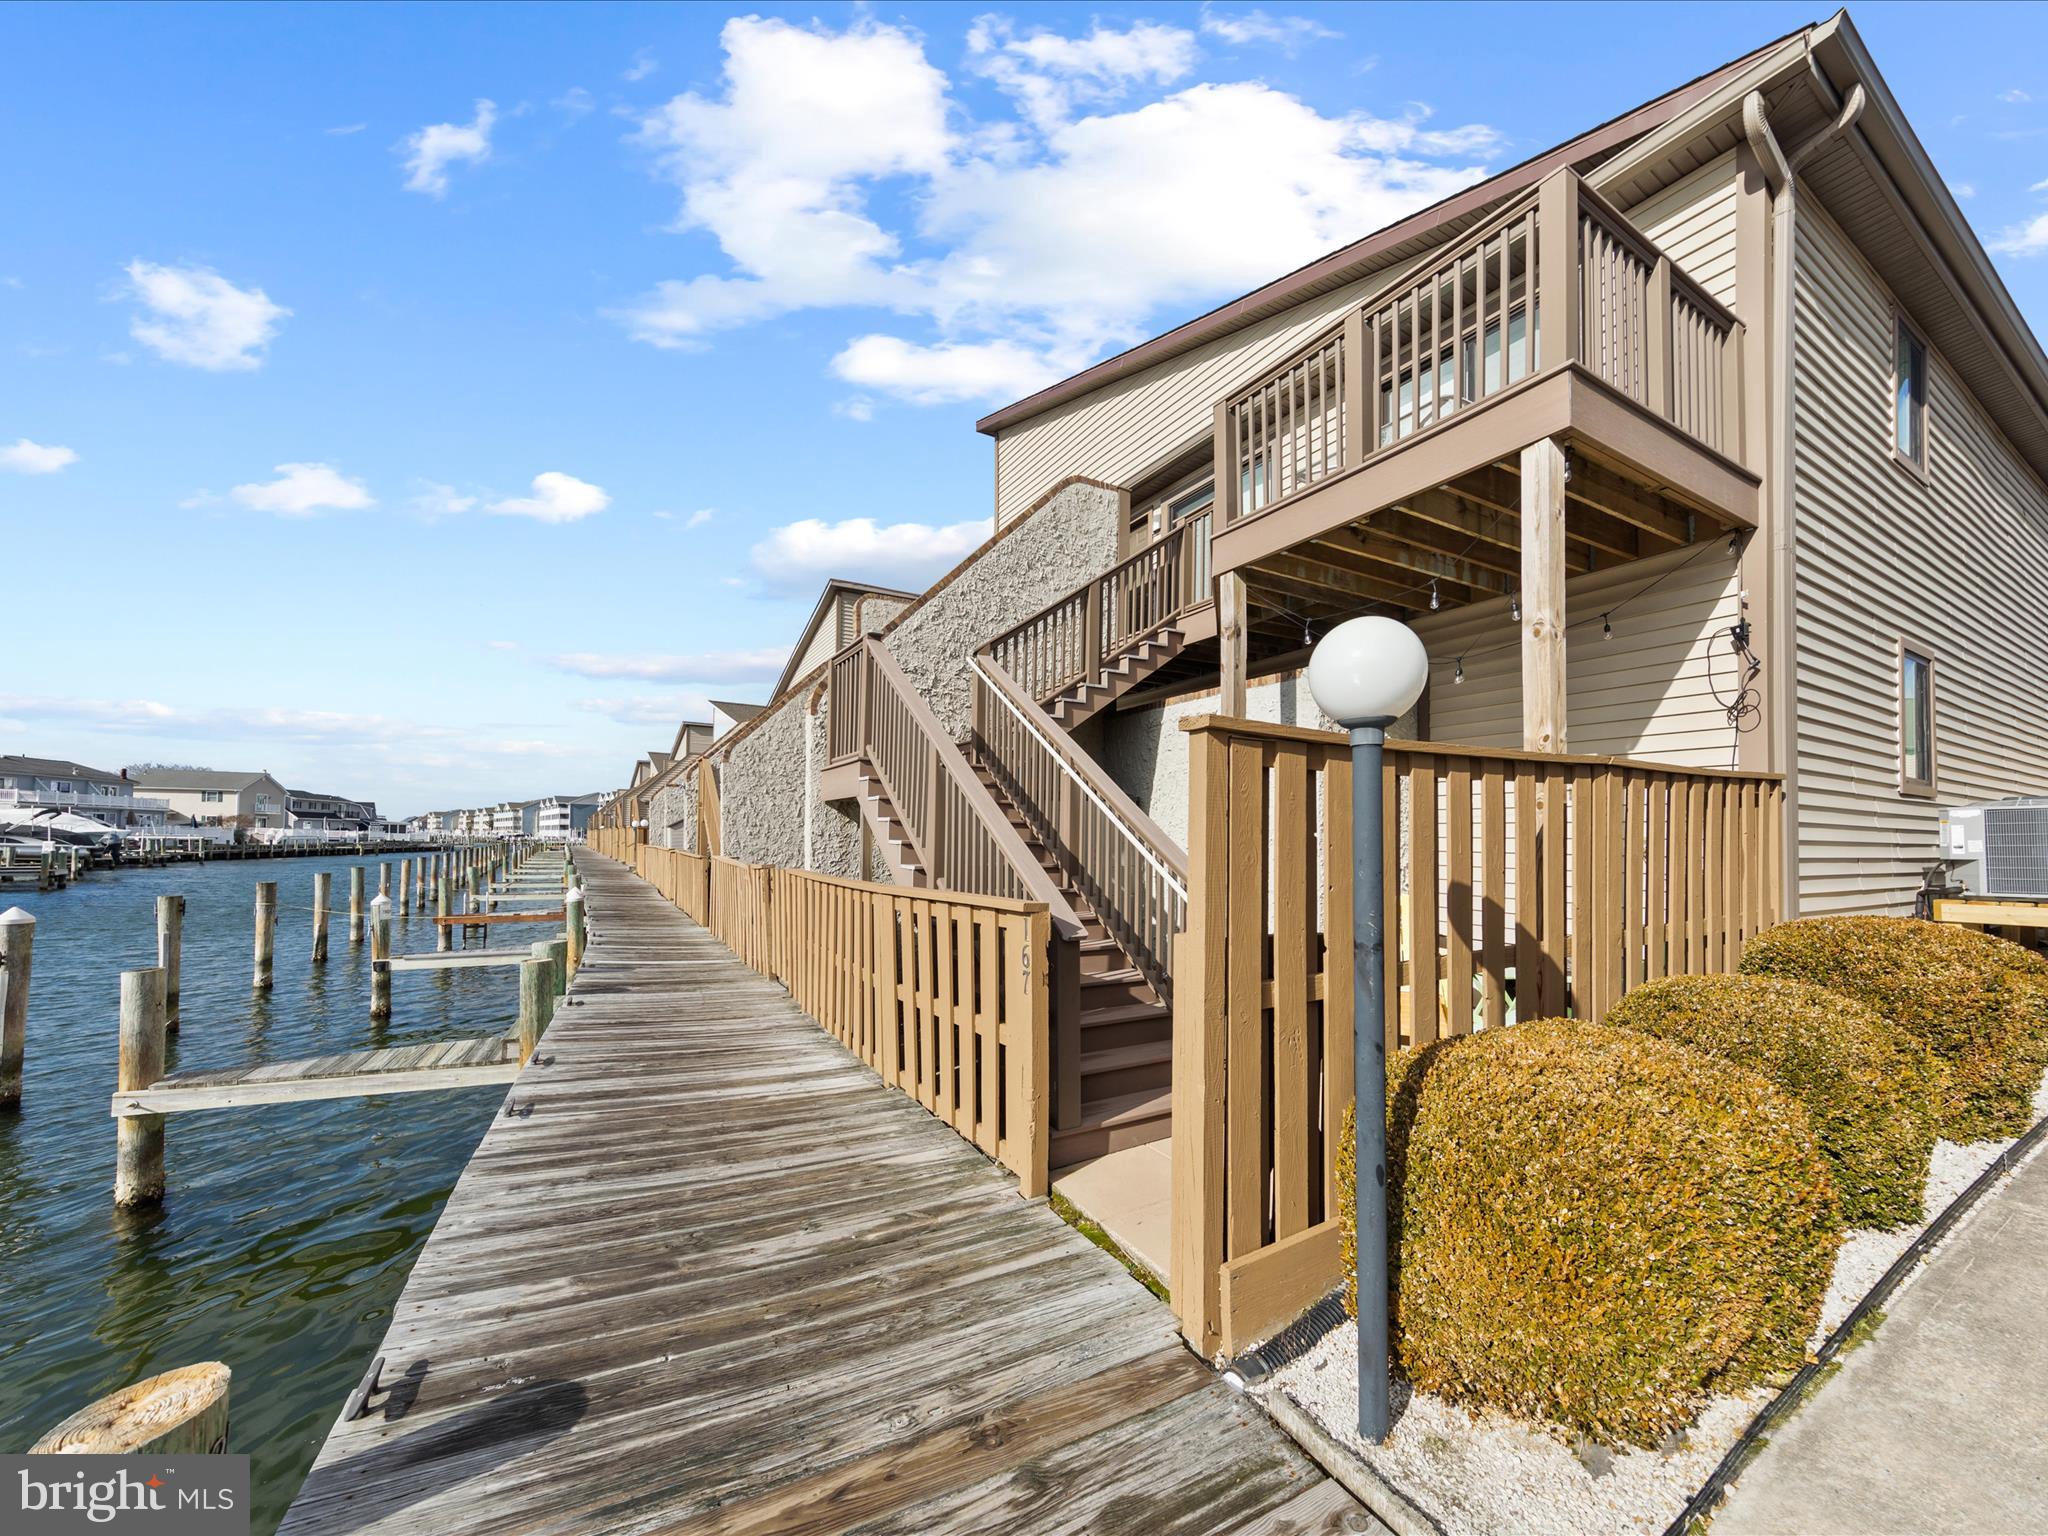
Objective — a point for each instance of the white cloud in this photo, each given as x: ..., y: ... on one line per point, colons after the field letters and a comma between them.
x: 10, y: 282
x: 659, y: 709
x: 556, y: 498
x: 575, y: 101
x: 702, y: 667
x: 1963, y: 188
x: 434, y: 500
x: 855, y: 408
x: 643, y: 65
x: 348, y: 128
x: 195, y: 316
x: 802, y: 554
x: 305, y: 490
x: 835, y: 170
x: 1255, y: 26
x: 2014, y: 97
x: 429, y: 152
x: 700, y: 517
x: 1049, y: 75
x: 2028, y: 239
x: 27, y: 458
x: 946, y: 371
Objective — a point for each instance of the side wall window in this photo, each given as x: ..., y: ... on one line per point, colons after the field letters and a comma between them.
x: 1916, y: 722
x: 1909, y: 396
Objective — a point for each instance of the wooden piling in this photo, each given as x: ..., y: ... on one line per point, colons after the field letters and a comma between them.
x: 355, y: 904
x: 380, y: 957
x: 139, y: 1139
x: 17, y: 946
x: 544, y: 953
x: 170, y: 945
x: 180, y: 1413
x: 266, y: 932
x: 444, y: 936
x: 404, y: 884
x: 323, y: 899
x: 419, y: 884
x: 558, y: 957
x: 572, y: 914
x: 535, y: 1004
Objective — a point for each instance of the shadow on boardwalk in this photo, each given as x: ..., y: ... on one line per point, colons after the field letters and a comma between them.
x: 707, y: 1274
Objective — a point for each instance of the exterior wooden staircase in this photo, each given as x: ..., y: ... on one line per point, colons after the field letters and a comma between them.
x: 1126, y: 1028
x: 1089, y: 694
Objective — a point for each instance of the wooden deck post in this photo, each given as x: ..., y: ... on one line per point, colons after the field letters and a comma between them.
x: 404, y: 884
x: 17, y: 945
x: 543, y: 951
x: 534, y: 1003
x: 139, y: 1139
x: 170, y: 944
x: 1543, y: 608
x: 323, y: 899
x: 1231, y: 643
x: 179, y: 1413
x: 444, y: 936
x: 355, y: 904
x: 380, y: 957
x: 558, y: 957
x: 384, y: 878
x: 266, y: 932
x: 419, y: 884
x: 572, y: 915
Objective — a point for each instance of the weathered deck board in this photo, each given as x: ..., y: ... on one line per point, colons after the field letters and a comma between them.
x: 428, y: 1066
x: 706, y: 1274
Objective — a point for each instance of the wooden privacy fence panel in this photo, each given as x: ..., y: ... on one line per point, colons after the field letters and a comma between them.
x: 946, y: 996
x: 1517, y: 885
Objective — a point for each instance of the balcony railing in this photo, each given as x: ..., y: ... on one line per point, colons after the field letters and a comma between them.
x: 85, y: 798
x: 1091, y: 626
x: 1557, y: 277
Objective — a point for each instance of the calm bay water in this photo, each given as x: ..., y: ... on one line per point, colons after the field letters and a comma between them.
x: 288, y: 1230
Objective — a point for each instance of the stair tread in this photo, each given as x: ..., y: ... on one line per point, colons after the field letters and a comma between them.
x: 1122, y: 976
x: 1125, y: 1109
x: 1125, y: 1013
x: 1115, y: 1057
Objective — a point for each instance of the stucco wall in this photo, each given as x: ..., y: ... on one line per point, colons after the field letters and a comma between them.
x: 1069, y: 539
x: 672, y: 818
x: 769, y: 810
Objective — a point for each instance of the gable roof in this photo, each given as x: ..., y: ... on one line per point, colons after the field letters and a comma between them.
x: 1397, y: 242
x: 833, y: 588
x: 55, y: 768
x: 196, y: 778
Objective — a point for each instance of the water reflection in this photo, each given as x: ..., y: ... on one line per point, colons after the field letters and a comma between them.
x: 287, y: 1230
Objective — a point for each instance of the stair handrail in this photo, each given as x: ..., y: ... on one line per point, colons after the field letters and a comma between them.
x: 943, y: 757
x: 1143, y: 921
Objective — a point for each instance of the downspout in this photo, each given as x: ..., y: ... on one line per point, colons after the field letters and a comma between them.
x: 1780, y: 179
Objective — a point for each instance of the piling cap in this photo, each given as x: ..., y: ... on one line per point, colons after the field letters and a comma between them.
x: 380, y: 900
x: 17, y: 915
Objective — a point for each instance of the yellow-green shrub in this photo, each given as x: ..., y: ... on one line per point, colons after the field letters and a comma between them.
x: 1979, y: 1004
x: 1597, y: 1227
x: 1867, y: 1089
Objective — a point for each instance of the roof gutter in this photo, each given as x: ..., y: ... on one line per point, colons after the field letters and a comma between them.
x: 1781, y: 179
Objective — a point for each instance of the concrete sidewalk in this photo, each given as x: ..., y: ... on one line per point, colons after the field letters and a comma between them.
x: 1939, y: 1423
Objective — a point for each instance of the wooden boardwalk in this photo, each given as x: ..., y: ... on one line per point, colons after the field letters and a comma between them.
x: 705, y: 1274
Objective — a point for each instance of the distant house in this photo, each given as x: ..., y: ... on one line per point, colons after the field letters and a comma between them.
x: 219, y: 799
x: 329, y: 813
x: 46, y: 783
x: 845, y: 611
x: 725, y: 715
x: 565, y: 817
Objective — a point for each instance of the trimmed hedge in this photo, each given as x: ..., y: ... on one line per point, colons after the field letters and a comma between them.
x: 1597, y: 1227
x: 1868, y: 1090
x: 1979, y: 1004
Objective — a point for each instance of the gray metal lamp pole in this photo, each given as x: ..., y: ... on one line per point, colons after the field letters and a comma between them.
x: 1365, y: 674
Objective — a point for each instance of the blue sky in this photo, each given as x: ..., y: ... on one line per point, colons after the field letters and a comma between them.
x: 435, y: 402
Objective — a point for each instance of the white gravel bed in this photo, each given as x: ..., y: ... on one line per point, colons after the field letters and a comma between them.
x: 1486, y: 1474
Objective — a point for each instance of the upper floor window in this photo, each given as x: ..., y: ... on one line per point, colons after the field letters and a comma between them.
x: 1916, y: 722
x: 1909, y: 396
x: 210, y: 796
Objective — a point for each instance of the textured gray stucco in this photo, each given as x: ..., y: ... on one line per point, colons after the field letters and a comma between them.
x: 672, y: 818
x: 1066, y: 541
x: 769, y: 808
x: 1146, y: 751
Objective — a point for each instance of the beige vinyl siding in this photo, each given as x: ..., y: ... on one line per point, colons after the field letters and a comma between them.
x: 1649, y: 692
x: 1693, y: 222
x: 1117, y: 432
x: 1955, y: 564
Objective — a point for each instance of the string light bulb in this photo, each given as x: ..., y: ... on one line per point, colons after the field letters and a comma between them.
x: 1458, y: 672
x: 1606, y: 627
x: 1434, y: 601
x: 1515, y: 606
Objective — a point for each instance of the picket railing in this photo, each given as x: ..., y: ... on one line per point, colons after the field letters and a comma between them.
x: 947, y: 996
x: 1556, y: 278
x: 1074, y: 638
x: 1131, y: 872
x: 1518, y: 885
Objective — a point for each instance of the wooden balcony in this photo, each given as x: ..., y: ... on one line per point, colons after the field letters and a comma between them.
x: 1381, y: 464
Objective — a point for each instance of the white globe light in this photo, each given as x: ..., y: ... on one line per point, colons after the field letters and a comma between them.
x: 1368, y: 669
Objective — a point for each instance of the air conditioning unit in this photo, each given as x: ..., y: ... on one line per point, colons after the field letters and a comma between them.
x: 1999, y: 848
